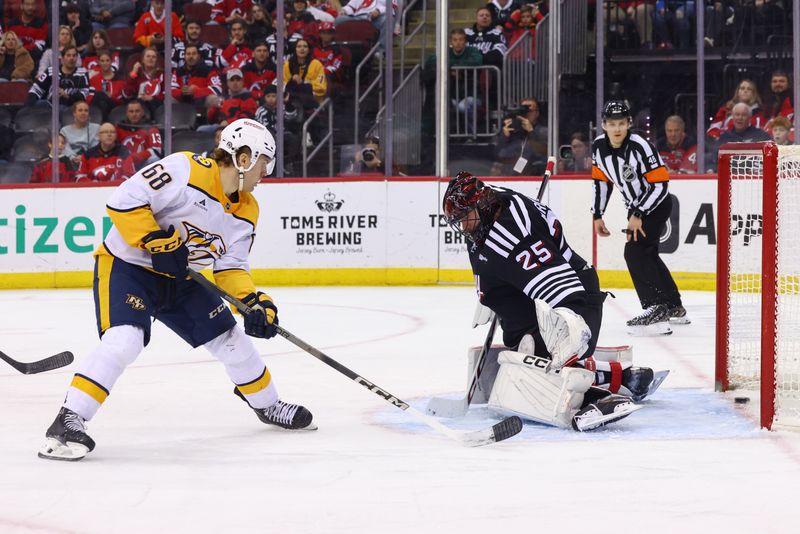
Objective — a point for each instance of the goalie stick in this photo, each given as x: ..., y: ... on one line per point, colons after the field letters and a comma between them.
x: 62, y: 359
x: 444, y: 407
x: 498, y: 432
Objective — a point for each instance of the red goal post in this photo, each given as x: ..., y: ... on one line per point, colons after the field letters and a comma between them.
x: 758, y: 277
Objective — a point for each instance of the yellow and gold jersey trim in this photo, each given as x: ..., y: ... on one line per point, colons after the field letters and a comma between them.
x: 256, y: 385
x: 204, y: 177
x: 90, y: 387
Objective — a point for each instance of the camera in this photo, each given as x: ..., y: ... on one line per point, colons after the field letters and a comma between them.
x: 565, y: 152
x: 512, y: 111
x: 368, y: 154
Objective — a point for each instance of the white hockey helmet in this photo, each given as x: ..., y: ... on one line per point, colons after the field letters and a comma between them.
x: 253, y: 135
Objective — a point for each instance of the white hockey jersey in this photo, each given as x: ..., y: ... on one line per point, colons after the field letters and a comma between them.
x: 184, y: 190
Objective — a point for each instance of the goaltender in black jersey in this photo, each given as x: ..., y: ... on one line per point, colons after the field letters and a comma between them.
x: 548, y: 302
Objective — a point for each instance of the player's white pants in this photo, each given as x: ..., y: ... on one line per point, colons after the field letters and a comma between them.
x: 121, y: 345
x: 238, y: 354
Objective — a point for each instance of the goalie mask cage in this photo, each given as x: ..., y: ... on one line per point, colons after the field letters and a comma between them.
x: 758, y: 277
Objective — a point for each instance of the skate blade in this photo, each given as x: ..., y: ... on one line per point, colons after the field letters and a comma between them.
x: 680, y: 320
x: 596, y: 422
x: 66, y: 452
x: 650, y: 330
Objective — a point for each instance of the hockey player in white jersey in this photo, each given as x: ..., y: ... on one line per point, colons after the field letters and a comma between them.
x: 184, y: 211
x: 549, y: 304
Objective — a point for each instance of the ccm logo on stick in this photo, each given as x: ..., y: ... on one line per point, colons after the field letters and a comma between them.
x: 375, y: 389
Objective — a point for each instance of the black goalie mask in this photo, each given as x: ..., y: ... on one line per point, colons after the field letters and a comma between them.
x: 464, y: 194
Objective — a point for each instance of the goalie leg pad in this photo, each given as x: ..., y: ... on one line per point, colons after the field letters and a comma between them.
x: 524, y: 387
x: 566, y: 335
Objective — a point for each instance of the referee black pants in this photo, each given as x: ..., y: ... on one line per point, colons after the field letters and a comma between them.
x: 651, y: 277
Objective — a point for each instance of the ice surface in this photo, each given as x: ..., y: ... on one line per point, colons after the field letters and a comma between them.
x: 177, y: 452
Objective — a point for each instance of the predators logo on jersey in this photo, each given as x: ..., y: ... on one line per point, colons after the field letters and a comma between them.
x: 202, y: 244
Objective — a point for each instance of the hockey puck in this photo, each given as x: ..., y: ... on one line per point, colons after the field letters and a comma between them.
x: 741, y: 400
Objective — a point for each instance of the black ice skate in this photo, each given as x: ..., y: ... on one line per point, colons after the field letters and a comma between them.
x: 67, y: 438
x: 677, y: 315
x: 653, y: 322
x: 603, y: 411
x: 283, y: 414
x: 637, y: 381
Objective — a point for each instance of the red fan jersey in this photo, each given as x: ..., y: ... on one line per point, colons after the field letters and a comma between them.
x: 116, y: 88
x: 222, y: 9
x: 256, y: 79
x: 205, y: 79
x: 33, y: 34
x: 331, y: 58
x: 43, y: 171
x: 90, y: 63
x: 241, y: 106
x: 98, y: 165
x: 142, y: 143
x: 234, y: 56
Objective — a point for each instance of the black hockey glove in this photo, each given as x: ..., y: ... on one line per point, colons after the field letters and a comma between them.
x: 170, y: 255
x: 262, y: 321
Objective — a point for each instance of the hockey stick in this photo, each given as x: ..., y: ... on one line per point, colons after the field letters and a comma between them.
x: 444, y: 407
x: 503, y: 430
x: 62, y: 359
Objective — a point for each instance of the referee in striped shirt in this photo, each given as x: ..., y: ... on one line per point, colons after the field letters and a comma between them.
x: 629, y: 162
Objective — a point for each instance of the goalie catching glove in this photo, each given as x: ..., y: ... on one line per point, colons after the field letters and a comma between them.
x: 263, y: 320
x: 169, y: 253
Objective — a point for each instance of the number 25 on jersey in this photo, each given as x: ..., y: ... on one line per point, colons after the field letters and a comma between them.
x: 538, y: 251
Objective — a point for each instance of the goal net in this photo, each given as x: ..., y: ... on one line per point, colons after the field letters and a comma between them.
x: 758, y: 277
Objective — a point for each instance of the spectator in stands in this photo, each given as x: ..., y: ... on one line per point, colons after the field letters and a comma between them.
x: 289, y: 40
x: 107, y: 160
x: 43, y: 170
x: 488, y: 40
x: 778, y: 100
x: 193, y: 37
x: 16, y: 63
x: 146, y: 79
x: 65, y: 38
x: 260, y: 71
x: 238, y: 51
x: 225, y: 11
x: 373, y: 11
x: 746, y: 93
x: 325, y: 11
x: 236, y: 103
x: 780, y: 131
x: 73, y: 82
x: 30, y: 29
x: 304, y: 76
x: 501, y: 11
x: 330, y: 55
x: 301, y: 21
x: 521, y: 144
x: 460, y: 84
x: 140, y: 137
x: 81, y: 27
x: 677, y: 149
x: 112, y: 13
x: 524, y: 22
x: 99, y: 41
x: 81, y: 135
x: 267, y: 114
x: 150, y: 26
x: 673, y: 23
x: 367, y: 160
x: 260, y: 25
x: 109, y: 87
x: 580, y: 154
x: 195, y: 82
x: 742, y: 130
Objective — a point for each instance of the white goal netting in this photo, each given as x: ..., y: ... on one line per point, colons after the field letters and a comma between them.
x: 748, y: 237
